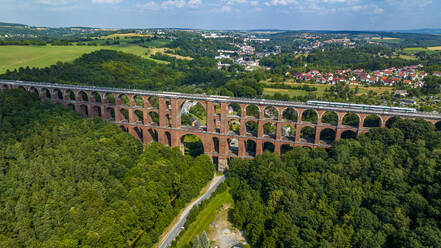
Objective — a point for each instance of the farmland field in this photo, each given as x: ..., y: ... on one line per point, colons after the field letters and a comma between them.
x: 420, y: 49
x: 320, y: 89
x: 14, y: 57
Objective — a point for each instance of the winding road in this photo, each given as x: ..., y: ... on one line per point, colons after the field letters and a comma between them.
x: 173, y: 233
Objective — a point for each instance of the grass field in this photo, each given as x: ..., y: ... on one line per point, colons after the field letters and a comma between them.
x: 205, y: 217
x: 162, y: 50
x: 421, y: 49
x: 14, y: 57
x: 321, y: 89
x: 126, y: 35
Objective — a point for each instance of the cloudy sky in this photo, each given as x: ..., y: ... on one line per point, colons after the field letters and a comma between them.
x: 227, y: 14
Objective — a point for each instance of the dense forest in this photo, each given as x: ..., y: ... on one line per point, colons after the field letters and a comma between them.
x: 380, y: 190
x: 66, y: 181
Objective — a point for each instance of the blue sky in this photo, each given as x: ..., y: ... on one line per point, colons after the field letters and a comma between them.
x: 227, y: 14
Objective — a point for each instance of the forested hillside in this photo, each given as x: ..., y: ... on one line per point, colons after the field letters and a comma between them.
x: 382, y: 190
x: 66, y: 181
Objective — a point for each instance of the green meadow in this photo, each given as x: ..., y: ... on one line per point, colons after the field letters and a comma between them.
x: 14, y: 57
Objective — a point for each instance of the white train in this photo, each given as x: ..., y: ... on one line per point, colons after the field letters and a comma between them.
x: 361, y: 106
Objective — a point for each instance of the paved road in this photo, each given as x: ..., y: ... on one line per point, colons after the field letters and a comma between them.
x: 171, y: 235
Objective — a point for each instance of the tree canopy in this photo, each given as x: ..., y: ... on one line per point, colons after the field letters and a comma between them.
x: 66, y: 181
x: 381, y: 190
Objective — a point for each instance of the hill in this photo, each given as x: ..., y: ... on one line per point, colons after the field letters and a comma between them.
x: 66, y: 181
x: 381, y: 190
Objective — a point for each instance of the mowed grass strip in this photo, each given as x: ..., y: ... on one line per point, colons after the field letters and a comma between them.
x: 14, y: 57
x: 205, y: 217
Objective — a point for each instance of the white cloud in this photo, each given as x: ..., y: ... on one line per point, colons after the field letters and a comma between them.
x: 226, y: 9
x: 280, y: 2
x: 368, y: 8
x: 194, y: 3
x: 52, y: 2
x: 149, y: 5
x: 170, y: 4
x: 408, y: 3
x: 107, y: 1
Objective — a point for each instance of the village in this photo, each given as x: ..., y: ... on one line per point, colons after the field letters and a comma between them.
x: 408, y: 75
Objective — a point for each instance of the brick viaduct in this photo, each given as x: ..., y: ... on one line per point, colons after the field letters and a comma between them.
x: 227, y: 131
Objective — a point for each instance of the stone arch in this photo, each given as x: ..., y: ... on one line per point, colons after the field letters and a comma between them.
x: 285, y: 148
x: 290, y: 114
x: 327, y: 135
x: 216, y: 144
x: 308, y: 133
x: 251, y: 128
x: 152, y: 135
x: 351, y: 119
x: 124, y: 99
x: 250, y: 148
x: 22, y: 88
x: 97, y: 97
x: 153, y: 101
x: 168, y: 138
x: 46, y: 93
x: 330, y: 117
x: 139, y: 101
x: 84, y: 112
x: 124, y: 113
x: 271, y: 112
x: 34, y: 90
x: 58, y: 94
x: 83, y: 96
x: 269, y: 129
x: 125, y: 129
x: 438, y: 126
x: 253, y: 111
x: 168, y: 104
x: 391, y: 121
x: 168, y: 120
x: 191, y: 145
x: 5, y: 87
x: 139, y: 133
x: 154, y: 116
x: 139, y: 116
x: 372, y: 121
x: 288, y: 132
x: 234, y: 109
x: 110, y: 113
x: 97, y: 111
x: 309, y: 115
x: 109, y: 98
x: 193, y: 113
x: 69, y: 95
x: 268, y: 146
x: 348, y: 134
x: 234, y: 126
x: 233, y: 146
